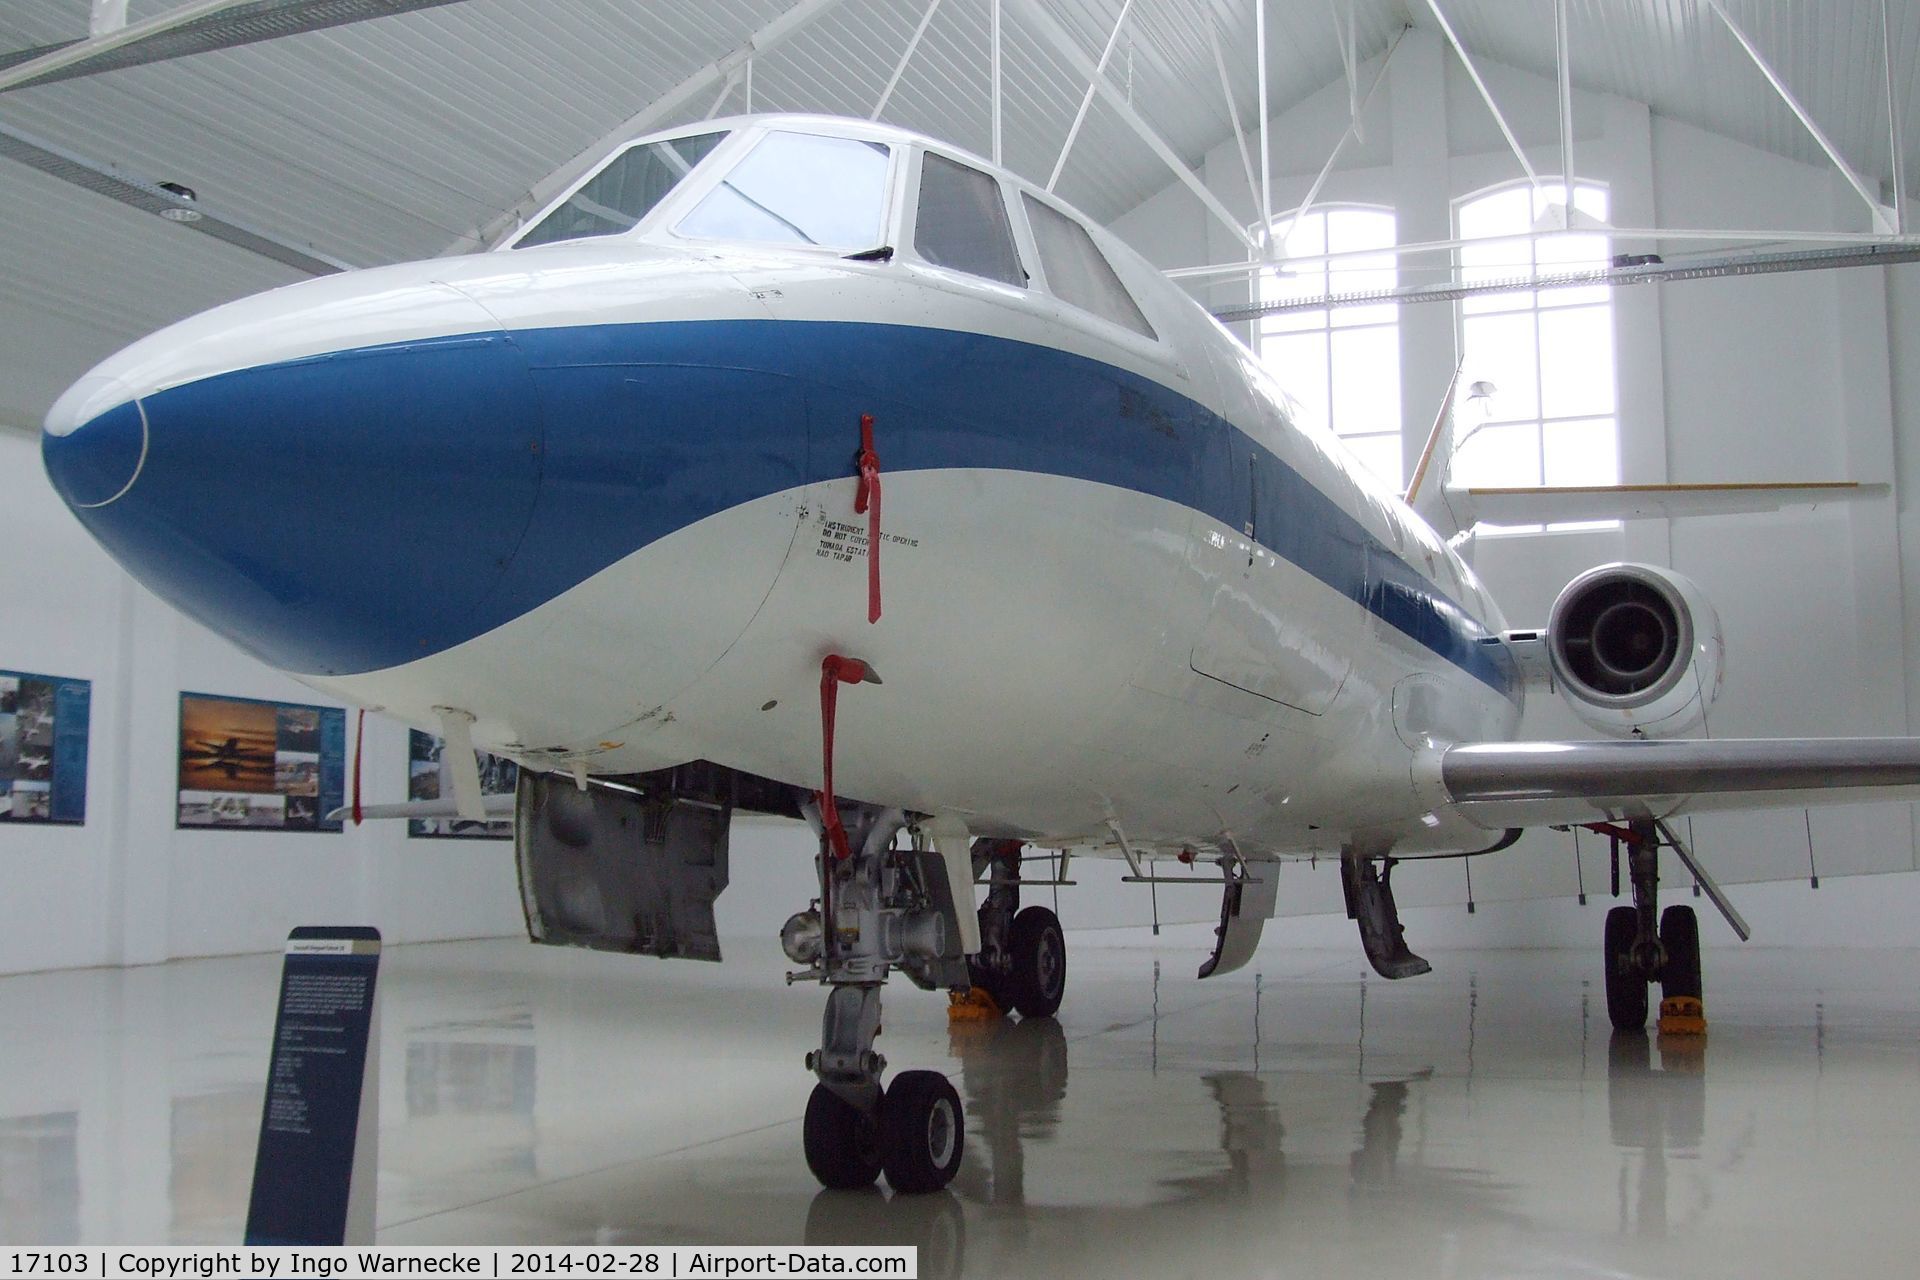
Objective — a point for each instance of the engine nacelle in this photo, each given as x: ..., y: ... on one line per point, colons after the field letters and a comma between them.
x: 1636, y: 650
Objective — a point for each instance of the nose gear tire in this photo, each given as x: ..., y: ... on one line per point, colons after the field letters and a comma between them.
x: 921, y: 1132
x: 842, y: 1143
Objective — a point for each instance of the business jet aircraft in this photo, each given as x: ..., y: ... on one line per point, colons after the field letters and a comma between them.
x: 607, y: 501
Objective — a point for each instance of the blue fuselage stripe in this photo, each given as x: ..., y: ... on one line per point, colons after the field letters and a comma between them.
x: 367, y: 508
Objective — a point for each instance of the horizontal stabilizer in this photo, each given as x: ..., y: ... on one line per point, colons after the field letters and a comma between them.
x: 1456, y: 508
x: 1499, y: 785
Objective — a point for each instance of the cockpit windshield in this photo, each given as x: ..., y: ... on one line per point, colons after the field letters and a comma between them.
x: 799, y: 188
x: 624, y: 191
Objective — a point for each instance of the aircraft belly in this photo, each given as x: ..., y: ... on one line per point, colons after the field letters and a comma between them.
x: 1014, y: 605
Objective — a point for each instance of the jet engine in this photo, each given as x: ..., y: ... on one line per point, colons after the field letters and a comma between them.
x: 1636, y: 650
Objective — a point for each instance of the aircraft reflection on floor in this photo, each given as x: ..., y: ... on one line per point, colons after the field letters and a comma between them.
x: 1651, y: 1113
x: 1014, y: 1078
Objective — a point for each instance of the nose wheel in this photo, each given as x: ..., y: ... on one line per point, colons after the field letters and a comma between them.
x: 920, y: 1132
x: 842, y: 1142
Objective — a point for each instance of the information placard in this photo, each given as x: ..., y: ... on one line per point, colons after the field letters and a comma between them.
x: 313, y: 1174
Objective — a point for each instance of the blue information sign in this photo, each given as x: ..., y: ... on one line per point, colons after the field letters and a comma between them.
x: 314, y: 1171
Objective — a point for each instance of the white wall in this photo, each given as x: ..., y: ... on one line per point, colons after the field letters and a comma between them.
x: 127, y: 887
x: 1813, y: 375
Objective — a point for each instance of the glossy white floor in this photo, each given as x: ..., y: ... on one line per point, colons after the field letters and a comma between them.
x: 1309, y: 1119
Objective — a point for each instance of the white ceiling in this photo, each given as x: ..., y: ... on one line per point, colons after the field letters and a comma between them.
x: 391, y: 138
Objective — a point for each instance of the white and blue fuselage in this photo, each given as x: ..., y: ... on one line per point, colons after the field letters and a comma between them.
x: 600, y: 495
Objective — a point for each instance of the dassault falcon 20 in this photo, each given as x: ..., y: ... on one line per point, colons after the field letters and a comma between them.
x: 608, y: 500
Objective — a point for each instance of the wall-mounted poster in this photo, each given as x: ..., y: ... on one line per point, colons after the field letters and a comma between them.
x: 262, y: 766
x: 43, y: 747
x: 427, y: 780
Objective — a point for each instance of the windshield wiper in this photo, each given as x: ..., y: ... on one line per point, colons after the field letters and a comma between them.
x: 883, y: 254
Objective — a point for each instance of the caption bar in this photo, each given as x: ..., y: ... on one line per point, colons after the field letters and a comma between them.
x: 677, y: 1262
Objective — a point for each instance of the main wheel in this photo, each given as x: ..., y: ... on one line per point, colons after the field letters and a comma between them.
x: 1626, y: 985
x: 1680, y: 939
x: 920, y: 1131
x: 843, y: 1144
x: 1039, y: 978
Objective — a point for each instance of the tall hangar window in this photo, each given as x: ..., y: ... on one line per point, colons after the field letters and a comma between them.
x: 799, y: 188
x: 624, y: 191
x: 1341, y: 363
x: 1547, y: 413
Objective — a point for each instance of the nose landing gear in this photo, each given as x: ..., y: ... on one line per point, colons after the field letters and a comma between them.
x: 880, y: 908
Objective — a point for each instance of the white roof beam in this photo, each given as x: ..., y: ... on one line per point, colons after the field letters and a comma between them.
x: 1878, y: 212
x: 1563, y: 60
x: 1086, y: 99
x: 1224, y: 270
x: 1893, y: 125
x: 194, y: 27
x: 1352, y: 132
x: 107, y: 17
x: 1233, y: 107
x: 994, y: 57
x: 900, y: 68
x: 768, y: 38
x: 1266, y: 114
x: 69, y: 56
x: 1068, y: 48
x: 1348, y: 33
x: 1486, y: 94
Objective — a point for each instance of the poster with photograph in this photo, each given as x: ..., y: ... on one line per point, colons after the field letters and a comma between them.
x: 43, y: 747
x: 264, y: 766
x: 427, y: 780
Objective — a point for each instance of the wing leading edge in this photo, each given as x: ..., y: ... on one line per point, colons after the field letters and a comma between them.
x: 1500, y: 785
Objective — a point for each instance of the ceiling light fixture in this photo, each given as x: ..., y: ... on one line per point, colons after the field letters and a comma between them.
x: 181, y: 212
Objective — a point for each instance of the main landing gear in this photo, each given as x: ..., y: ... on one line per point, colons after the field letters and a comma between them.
x: 1022, y: 961
x: 1645, y: 945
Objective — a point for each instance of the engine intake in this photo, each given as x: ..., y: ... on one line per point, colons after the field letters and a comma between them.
x: 1636, y: 650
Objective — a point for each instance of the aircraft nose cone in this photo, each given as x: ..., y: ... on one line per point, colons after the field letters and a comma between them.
x: 343, y: 511
x: 94, y: 443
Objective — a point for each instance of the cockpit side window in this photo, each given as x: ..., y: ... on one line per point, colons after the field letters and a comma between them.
x: 1077, y: 272
x: 799, y: 188
x: 624, y: 191
x: 962, y: 222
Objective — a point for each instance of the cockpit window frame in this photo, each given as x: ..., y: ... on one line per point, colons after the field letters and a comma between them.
x: 697, y: 176
x: 909, y: 233
x: 689, y: 196
x: 1152, y: 337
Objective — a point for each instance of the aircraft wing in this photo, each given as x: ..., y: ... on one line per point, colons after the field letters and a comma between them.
x: 1453, y: 508
x: 1499, y: 785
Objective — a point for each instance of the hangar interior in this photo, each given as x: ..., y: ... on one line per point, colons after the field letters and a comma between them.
x: 1303, y: 1111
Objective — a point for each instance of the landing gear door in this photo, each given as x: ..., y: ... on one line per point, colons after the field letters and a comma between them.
x: 614, y: 871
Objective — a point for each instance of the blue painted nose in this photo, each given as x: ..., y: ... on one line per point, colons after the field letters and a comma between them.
x: 335, y: 514
x: 94, y: 463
